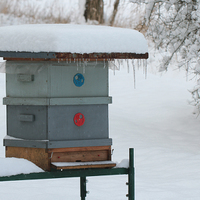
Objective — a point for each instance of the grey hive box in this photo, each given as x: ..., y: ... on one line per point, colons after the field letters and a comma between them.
x: 53, y: 126
x: 53, y: 79
x: 57, y: 91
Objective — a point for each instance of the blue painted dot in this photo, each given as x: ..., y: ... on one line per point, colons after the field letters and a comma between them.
x: 79, y: 80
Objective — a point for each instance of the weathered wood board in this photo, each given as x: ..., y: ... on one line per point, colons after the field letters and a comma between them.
x: 44, y: 157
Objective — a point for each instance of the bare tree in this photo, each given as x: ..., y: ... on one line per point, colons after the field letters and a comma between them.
x: 94, y: 10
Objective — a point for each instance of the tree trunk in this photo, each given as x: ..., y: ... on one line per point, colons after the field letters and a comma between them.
x: 116, y: 4
x: 94, y: 10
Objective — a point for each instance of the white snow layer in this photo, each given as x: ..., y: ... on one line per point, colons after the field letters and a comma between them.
x: 69, y: 164
x: 14, y: 166
x: 123, y: 164
x: 71, y: 38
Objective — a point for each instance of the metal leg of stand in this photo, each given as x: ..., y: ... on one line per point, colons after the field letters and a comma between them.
x: 83, y: 191
x: 131, y: 176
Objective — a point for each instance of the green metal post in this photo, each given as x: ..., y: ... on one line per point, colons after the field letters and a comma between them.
x: 83, y: 191
x: 131, y: 176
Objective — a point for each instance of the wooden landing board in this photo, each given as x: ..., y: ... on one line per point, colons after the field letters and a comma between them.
x: 82, y: 165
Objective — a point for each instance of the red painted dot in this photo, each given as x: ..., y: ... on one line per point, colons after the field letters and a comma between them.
x: 79, y: 119
x: 58, y: 156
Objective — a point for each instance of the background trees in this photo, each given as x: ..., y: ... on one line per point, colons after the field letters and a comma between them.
x: 173, y: 27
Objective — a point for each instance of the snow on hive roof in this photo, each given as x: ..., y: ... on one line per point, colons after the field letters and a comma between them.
x: 70, y: 38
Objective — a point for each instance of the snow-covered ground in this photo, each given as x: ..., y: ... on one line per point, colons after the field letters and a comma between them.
x: 157, y: 121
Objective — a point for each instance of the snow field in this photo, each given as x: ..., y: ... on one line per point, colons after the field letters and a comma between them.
x: 159, y: 124
x: 156, y: 120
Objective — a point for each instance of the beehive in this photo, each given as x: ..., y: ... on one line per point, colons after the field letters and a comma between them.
x: 57, y: 102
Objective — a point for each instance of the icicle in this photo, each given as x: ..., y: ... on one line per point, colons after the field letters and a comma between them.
x: 70, y: 60
x: 67, y: 61
x: 86, y: 62
x: 138, y: 64
x: 77, y: 63
x: 145, y: 67
x: 127, y: 61
x: 83, y: 69
x: 80, y: 62
x: 114, y: 69
x: 134, y: 74
x: 104, y: 63
x: 96, y: 62
x: 119, y: 63
x: 142, y: 67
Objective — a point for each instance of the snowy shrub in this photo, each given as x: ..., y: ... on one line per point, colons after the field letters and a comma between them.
x: 173, y: 26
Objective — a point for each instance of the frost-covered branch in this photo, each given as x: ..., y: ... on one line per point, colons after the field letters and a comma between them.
x: 174, y: 27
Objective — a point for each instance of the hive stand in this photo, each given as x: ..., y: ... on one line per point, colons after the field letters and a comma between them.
x: 83, y: 173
